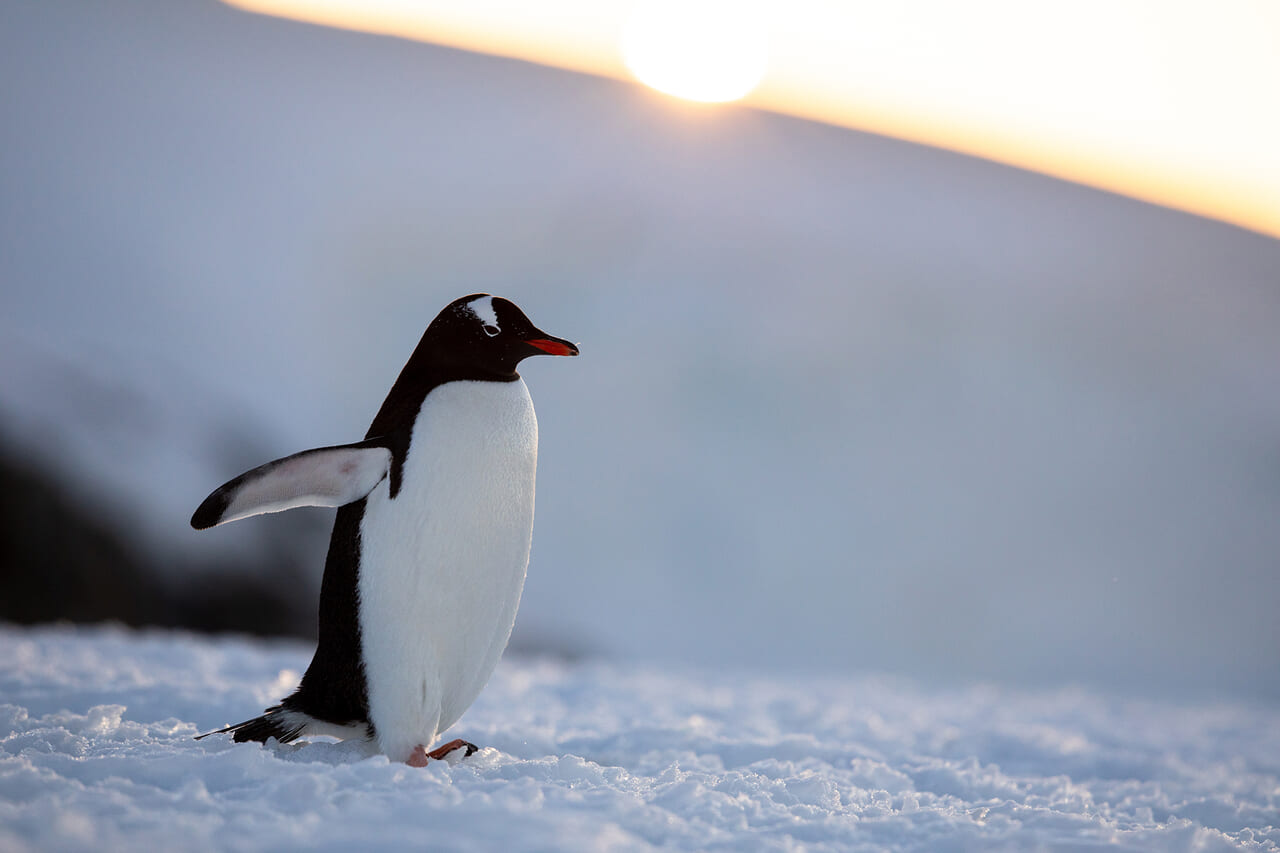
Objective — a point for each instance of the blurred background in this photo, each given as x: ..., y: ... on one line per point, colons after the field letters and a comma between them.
x: 846, y: 403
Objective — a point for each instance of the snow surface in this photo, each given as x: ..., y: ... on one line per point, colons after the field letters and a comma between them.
x: 96, y: 750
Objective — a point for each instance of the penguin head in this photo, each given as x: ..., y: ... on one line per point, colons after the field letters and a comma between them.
x: 491, y: 334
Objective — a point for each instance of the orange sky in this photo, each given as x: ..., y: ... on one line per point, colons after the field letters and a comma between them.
x: 1172, y: 102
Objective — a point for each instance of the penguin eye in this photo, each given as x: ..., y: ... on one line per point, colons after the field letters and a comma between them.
x: 490, y: 330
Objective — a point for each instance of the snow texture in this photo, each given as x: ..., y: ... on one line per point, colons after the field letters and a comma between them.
x: 96, y: 750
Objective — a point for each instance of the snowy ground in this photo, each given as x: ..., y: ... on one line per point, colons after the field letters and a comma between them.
x: 96, y: 750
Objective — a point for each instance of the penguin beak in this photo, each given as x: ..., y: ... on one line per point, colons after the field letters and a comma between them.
x: 553, y: 346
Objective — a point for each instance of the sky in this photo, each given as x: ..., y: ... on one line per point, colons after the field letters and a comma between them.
x: 1163, y: 101
x: 906, y: 410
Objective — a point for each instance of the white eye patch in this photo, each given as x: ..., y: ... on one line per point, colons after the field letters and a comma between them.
x: 482, y: 307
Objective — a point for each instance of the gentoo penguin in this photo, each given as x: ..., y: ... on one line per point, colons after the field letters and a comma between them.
x: 431, y: 541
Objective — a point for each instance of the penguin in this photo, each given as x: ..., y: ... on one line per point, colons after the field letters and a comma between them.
x: 430, y: 544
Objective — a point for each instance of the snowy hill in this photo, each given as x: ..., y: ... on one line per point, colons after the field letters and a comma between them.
x: 844, y: 404
x: 96, y: 751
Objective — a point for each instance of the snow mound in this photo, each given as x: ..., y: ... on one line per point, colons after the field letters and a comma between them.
x: 96, y: 750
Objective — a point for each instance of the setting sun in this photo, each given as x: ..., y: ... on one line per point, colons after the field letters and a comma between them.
x: 700, y: 51
x: 1158, y: 99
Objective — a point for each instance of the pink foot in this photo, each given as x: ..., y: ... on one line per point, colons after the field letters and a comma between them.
x: 419, y: 757
x: 441, y: 751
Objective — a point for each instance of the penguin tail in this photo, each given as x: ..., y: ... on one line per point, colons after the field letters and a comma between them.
x: 272, y: 724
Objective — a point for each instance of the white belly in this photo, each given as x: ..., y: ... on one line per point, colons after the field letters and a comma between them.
x: 443, y: 564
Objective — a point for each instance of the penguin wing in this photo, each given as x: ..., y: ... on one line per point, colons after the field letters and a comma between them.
x: 326, y: 476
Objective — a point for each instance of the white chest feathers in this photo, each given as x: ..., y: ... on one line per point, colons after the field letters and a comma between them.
x: 443, y: 564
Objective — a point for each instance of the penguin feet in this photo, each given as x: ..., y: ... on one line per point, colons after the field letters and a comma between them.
x: 441, y: 751
x: 419, y: 757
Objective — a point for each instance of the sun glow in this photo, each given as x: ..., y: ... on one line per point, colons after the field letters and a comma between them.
x: 701, y: 51
x: 1170, y: 101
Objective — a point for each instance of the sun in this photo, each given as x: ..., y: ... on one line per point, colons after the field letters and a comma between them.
x: 701, y: 50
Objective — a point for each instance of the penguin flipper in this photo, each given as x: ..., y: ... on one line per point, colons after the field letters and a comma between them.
x: 326, y: 476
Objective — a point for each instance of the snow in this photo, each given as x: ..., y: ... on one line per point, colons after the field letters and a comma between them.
x: 96, y: 749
